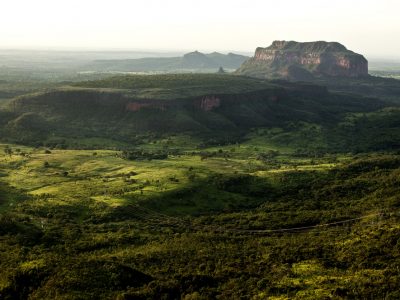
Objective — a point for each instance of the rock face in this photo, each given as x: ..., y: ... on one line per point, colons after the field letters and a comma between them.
x: 206, y: 103
x: 137, y: 106
x: 304, y: 61
x: 209, y: 103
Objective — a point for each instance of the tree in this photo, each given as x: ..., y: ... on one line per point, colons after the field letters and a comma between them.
x: 8, y: 150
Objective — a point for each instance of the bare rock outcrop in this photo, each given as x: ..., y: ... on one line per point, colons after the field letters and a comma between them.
x: 303, y: 61
x: 208, y: 103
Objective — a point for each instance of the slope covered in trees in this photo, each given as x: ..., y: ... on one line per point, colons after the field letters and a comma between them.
x: 308, y: 229
x: 199, y: 187
x: 123, y: 109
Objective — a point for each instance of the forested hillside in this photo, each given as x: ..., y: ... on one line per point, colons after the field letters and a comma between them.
x: 199, y: 186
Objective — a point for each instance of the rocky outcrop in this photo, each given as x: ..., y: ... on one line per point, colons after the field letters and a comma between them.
x: 137, y: 106
x: 303, y: 61
x: 206, y: 103
x: 209, y: 103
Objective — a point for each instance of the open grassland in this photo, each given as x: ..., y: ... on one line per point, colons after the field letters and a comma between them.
x: 201, y: 224
x: 61, y: 176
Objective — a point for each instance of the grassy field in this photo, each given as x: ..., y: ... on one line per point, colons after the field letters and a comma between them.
x: 73, y: 175
x: 82, y: 224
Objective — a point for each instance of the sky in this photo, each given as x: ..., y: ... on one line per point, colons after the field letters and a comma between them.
x: 371, y: 27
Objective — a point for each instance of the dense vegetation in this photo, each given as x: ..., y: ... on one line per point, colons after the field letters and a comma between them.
x: 380, y: 87
x: 95, y: 114
x: 173, y: 86
x: 198, y: 229
x: 284, y: 191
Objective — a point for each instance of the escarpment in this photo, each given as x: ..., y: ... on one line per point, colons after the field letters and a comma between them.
x: 304, y: 61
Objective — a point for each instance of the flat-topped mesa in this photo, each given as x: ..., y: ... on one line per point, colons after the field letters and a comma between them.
x: 299, y: 61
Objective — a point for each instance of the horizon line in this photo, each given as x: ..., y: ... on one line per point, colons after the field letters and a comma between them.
x: 77, y: 49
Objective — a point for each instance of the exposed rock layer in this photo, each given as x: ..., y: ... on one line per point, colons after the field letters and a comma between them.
x: 207, y: 103
x: 302, y: 61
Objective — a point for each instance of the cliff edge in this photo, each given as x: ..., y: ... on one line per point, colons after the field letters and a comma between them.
x: 304, y: 61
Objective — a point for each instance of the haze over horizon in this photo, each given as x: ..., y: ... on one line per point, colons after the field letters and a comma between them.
x: 368, y: 27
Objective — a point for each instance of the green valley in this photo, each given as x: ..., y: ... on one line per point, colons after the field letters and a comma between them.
x: 182, y: 226
x: 200, y: 150
x: 199, y: 186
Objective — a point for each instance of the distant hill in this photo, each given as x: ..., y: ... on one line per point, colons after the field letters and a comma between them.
x: 193, y: 61
x: 304, y: 61
x: 215, y: 107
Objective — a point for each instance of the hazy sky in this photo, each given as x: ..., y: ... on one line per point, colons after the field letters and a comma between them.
x: 371, y: 27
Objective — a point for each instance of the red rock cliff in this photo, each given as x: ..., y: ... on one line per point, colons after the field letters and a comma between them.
x: 209, y: 103
x: 316, y: 58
